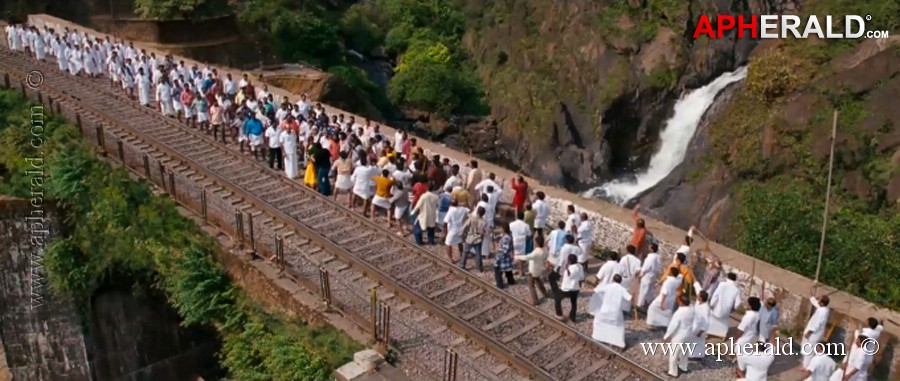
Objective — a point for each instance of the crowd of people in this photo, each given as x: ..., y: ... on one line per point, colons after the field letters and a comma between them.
x: 430, y: 197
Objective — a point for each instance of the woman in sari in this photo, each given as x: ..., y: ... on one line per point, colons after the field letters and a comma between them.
x: 310, y: 178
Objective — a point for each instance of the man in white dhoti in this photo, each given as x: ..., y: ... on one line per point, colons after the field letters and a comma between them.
x: 856, y: 366
x: 489, y: 220
x: 62, y: 56
x: 650, y: 271
x: 520, y: 232
x: 820, y: 367
x: 754, y: 366
x: 144, y: 88
x: 748, y: 328
x: 585, y: 232
x: 164, y: 98
x: 454, y: 221
x: 678, y: 331
x: 632, y: 268
x: 815, y: 327
x: 128, y: 78
x: 726, y: 299
x: 659, y: 313
x: 39, y: 47
x: 608, y: 304
x: 609, y: 269
x: 288, y: 140
x: 701, y: 325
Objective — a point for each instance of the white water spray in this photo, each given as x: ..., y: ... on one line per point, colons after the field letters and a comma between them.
x: 674, y: 139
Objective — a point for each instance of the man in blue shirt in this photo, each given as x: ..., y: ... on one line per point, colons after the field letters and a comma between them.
x: 253, y: 128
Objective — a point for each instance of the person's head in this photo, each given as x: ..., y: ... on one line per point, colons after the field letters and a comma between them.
x: 528, y: 207
x: 731, y: 276
x: 654, y: 247
x: 640, y: 223
x: 454, y: 169
x: 520, y: 215
x: 614, y: 256
x: 630, y: 249
x: 492, y: 176
x: 570, y: 239
x: 684, y: 300
x: 473, y: 164
x: 484, y: 197
x: 873, y: 323
x: 572, y: 259
x: 560, y: 225
x: 584, y: 216
x: 570, y: 208
x: 539, y: 241
x: 454, y: 202
x: 770, y: 302
x: 754, y: 303
x: 824, y: 300
x: 363, y: 160
x: 617, y: 278
x: 859, y: 341
x: 385, y: 173
x: 673, y: 272
x: 481, y: 212
x: 681, y: 258
x: 540, y: 195
x: 506, y: 228
x: 703, y: 296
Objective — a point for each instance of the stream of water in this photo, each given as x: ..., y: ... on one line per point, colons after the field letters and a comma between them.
x: 674, y: 140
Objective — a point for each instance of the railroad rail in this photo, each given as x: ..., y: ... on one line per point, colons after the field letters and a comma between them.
x: 530, y: 340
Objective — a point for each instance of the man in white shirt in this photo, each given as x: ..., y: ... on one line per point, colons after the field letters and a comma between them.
x: 520, y: 232
x: 650, y: 271
x: 610, y: 269
x: 748, y: 328
x: 607, y: 305
x: 872, y: 331
x: 678, y: 331
x: 482, y: 186
x: 537, y: 265
x: 585, y: 232
x: 541, y: 214
x: 820, y: 367
x: 569, y: 248
x: 856, y: 366
x: 572, y: 221
x: 815, y: 327
x: 273, y: 138
x: 631, y: 266
x: 754, y: 366
x: 726, y: 299
x: 701, y: 325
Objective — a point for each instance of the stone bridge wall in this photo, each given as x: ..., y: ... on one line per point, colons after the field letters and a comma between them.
x: 613, y: 227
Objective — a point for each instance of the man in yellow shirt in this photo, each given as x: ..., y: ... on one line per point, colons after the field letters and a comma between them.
x: 382, y: 197
x: 689, y: 285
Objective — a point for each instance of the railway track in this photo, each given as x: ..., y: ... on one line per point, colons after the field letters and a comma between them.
x: 530, y: 340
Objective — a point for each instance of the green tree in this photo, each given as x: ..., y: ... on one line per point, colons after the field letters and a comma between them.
x: 180, y: 9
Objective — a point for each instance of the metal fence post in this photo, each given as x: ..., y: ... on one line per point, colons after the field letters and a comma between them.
x: 99, y: 132
x: 40, y: 98
x: 325, y: 285
x: 373, y: 303
x: 450, y: 360
x: 162, y: 174
x: 147, y: 168
x: 279, y: 253
x: 250, y: 231
x: 385, y: 324
x: 239, y: 225
x: 203, y: 208
x: 6, y: 80
x: 78, y: 123
x: 172, y: 183
x: 121, y: 148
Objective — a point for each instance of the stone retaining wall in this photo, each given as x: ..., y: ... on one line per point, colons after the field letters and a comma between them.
x: 613, y: 227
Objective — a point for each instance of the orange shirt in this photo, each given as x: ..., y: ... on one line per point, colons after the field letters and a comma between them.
x: 383, y: 186
x: 639, y: 241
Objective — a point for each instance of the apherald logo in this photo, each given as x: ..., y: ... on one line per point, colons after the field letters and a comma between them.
x: 779, y: 26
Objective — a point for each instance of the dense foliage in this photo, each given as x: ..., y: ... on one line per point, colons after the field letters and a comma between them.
x: 298, y: 30
x: 781, y: 222
x: 180, y: 9
x: 433, y: 71
x: 116, y: 227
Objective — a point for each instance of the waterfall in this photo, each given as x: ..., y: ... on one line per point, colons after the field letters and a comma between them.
x: 674, y: 139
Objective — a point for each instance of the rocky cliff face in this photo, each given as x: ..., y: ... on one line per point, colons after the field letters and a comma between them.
x: 579, y: 89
